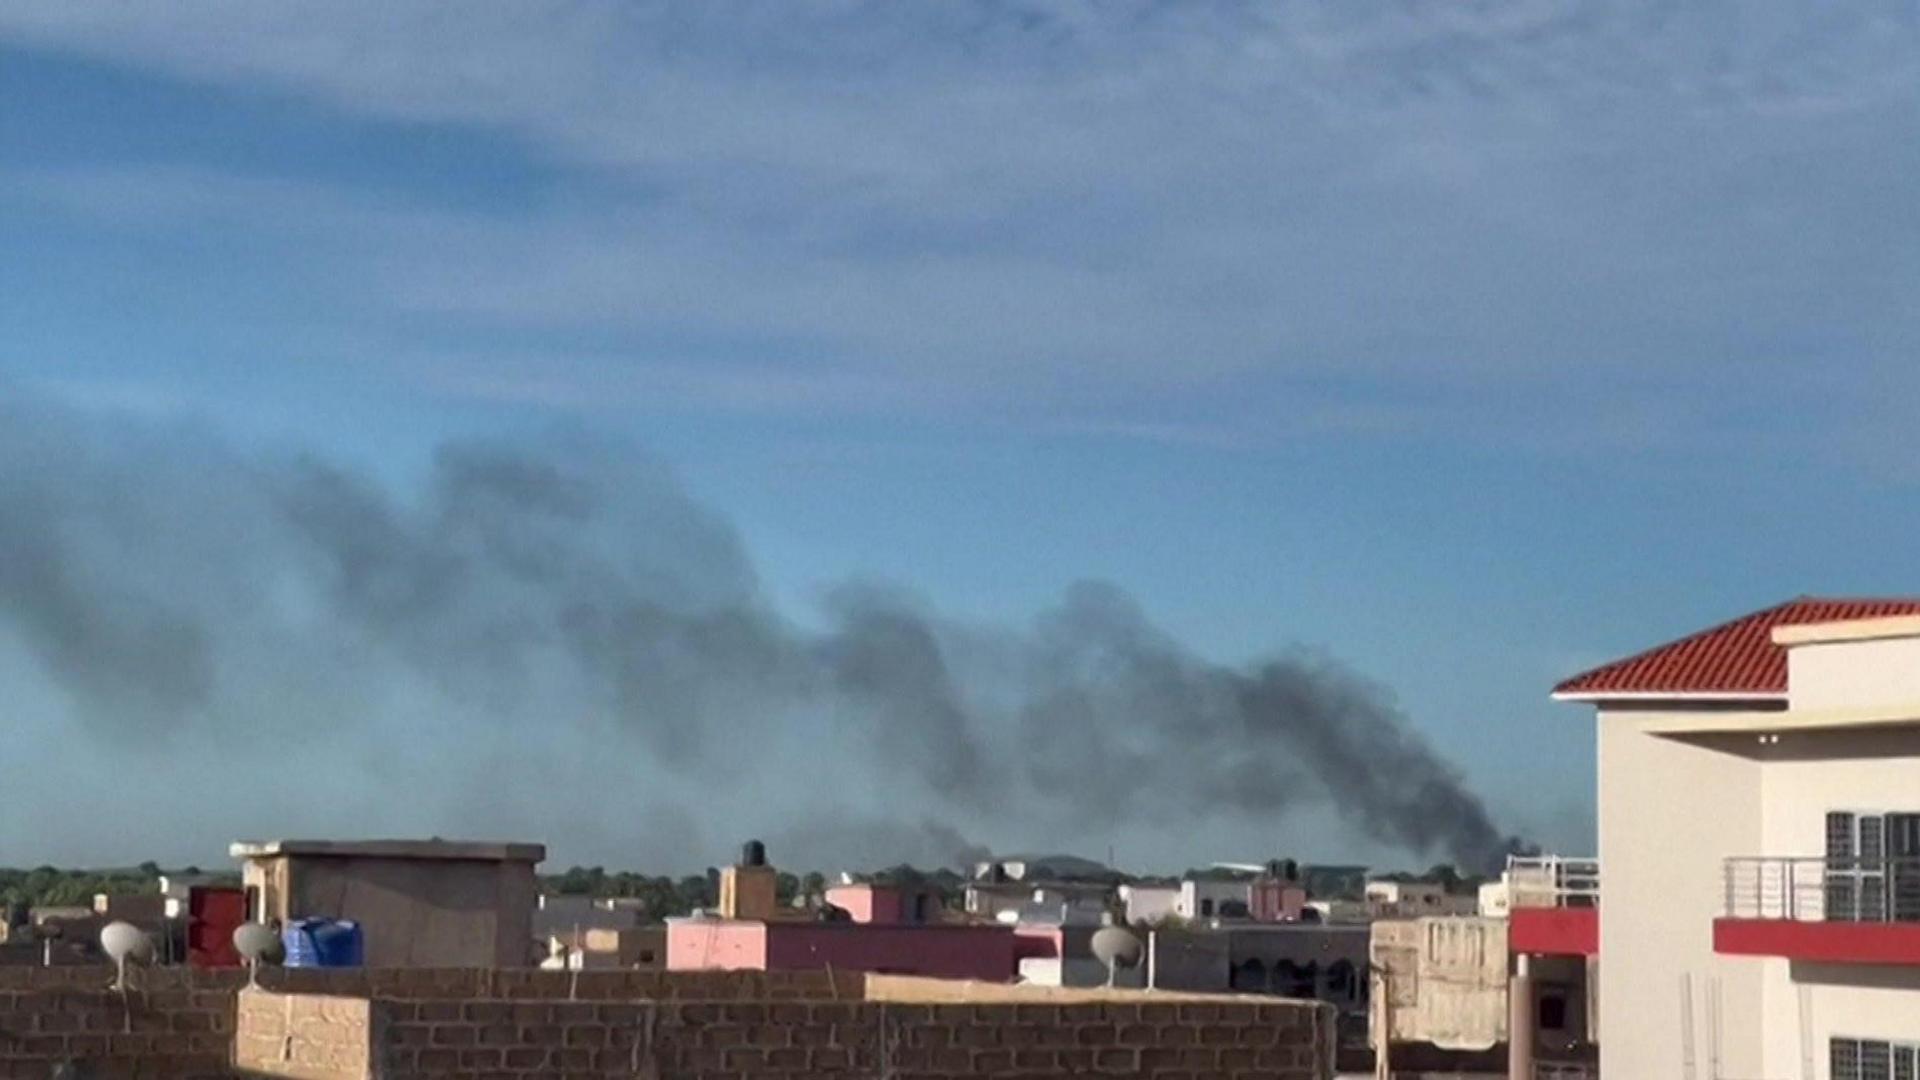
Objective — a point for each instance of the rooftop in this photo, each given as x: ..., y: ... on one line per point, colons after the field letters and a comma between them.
x: 464, y: 850
x: 1738, y: 660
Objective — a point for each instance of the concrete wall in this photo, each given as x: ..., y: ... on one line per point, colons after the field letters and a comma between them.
x: 952, y: 952
x: 1201, y: 899
x: 1804, y: 776
x: 1150, y: 903
x: 1441, y: 980
x: 716, y: 945
x: 944, y: 951
x: 1671, y: 810
x: 413, y: 912
x: 1848, y: 1001
x: 1848, y: 674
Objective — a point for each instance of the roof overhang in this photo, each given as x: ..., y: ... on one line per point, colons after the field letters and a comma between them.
x: 404, y: 850
x: 1760, y: 723
x: 1678, y: 697
x: 1896, y: 626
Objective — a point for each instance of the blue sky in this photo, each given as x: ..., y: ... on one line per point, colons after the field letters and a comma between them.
x: 1470, y: 344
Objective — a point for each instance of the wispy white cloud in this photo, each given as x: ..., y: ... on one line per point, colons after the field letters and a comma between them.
x: 1109, y: 217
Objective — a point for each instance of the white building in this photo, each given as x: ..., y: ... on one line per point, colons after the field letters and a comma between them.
x: 1387, y: 899
x: 1759, y: 821
x: 1195, y: 899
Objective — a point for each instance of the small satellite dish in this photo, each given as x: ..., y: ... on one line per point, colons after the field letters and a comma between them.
x: 257, y: 944
x: 125, y: 943
x: 1116, y: 948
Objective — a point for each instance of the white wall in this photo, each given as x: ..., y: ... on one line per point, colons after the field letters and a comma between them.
x: 1805, y: 775
x: 1670, y: 812
x: 1194, y: 893
x: 1149, y: 903
x: 1844, y: 674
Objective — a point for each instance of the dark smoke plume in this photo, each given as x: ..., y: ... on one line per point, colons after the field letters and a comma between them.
x: 545, y: 608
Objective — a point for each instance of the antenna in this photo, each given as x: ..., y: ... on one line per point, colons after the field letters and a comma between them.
x: 257, y: 944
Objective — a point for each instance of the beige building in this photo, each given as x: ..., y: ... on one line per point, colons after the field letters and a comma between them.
x: 1388, y: 899
x: 1759, y: 820
x: 420, y: 903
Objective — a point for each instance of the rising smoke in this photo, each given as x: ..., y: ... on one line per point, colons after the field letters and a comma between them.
x: 554, y: 599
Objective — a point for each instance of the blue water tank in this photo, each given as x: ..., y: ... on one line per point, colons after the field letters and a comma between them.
x: 327, y: 943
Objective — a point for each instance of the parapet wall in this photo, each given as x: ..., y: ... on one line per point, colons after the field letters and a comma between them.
x: 938, y: 1033
x: 521, y: 1024
x: 181, y: 1022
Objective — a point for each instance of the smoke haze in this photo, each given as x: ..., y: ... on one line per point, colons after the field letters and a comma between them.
x: 549, y: 638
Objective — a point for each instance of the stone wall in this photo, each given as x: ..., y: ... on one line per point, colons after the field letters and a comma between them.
x: 304, y: 1036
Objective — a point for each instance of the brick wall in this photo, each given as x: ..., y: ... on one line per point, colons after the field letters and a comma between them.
x: 180, y: 1022
x: 95, y: 1033
x: 748, y: 1040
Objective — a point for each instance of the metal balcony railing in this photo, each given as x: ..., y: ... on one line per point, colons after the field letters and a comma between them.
x: 1823, y: 888
x: 1552, y: 881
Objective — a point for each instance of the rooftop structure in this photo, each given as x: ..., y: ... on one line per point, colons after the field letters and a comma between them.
x: 420, y: 903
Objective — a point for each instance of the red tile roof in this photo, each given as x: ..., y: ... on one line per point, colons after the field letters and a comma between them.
x: 1732, y: 659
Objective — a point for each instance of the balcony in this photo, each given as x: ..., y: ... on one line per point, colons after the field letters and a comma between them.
x: 1820, y: 909
x: 1553, y: 905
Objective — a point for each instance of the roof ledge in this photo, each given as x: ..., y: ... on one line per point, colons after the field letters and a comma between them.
x: 1893, y: 626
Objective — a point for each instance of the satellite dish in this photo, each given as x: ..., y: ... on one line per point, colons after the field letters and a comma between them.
x: 1116, y: 948
x: 125, y: 943
x: 257, y: 944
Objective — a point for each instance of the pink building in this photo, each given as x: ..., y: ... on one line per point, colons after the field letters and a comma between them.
x: 1272, y: 899
x: 951, y: 951
x: 886, y: 905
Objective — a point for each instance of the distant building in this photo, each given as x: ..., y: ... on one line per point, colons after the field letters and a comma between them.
x: 420, y: 903
x: 555, y: 914
x: 1467, y: 992
x: 1262, y: 898
x: 878, y: 929
x: 1011, y: 901
x: 633, y: 948
x: 887, y: 905
x: 1393, y: 899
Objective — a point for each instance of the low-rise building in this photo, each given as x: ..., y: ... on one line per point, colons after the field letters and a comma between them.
x: 951, y: 951
x: 886, y: 904
x: 1471, y: 992
x: 419, y: 903
x: 1392, y: 898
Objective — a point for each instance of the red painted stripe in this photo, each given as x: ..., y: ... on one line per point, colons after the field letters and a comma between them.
x: 1824, y: 942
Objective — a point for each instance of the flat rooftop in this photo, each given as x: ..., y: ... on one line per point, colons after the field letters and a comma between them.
x: 412, y: 850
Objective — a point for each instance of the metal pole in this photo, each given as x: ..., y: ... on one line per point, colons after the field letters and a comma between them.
x: 1520, y: 1019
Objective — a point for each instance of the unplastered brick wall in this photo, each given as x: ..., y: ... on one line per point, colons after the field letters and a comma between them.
x: 1181, y: 1038
x: 66, y: 1022
x: 181, y: 1022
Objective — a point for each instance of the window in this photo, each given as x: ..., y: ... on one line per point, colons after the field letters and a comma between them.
x: 1552, y: 1012
x: 646, y: 956
x: 1872, y: 867
x: 1206, y: 907
x: 1872, y: 1059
